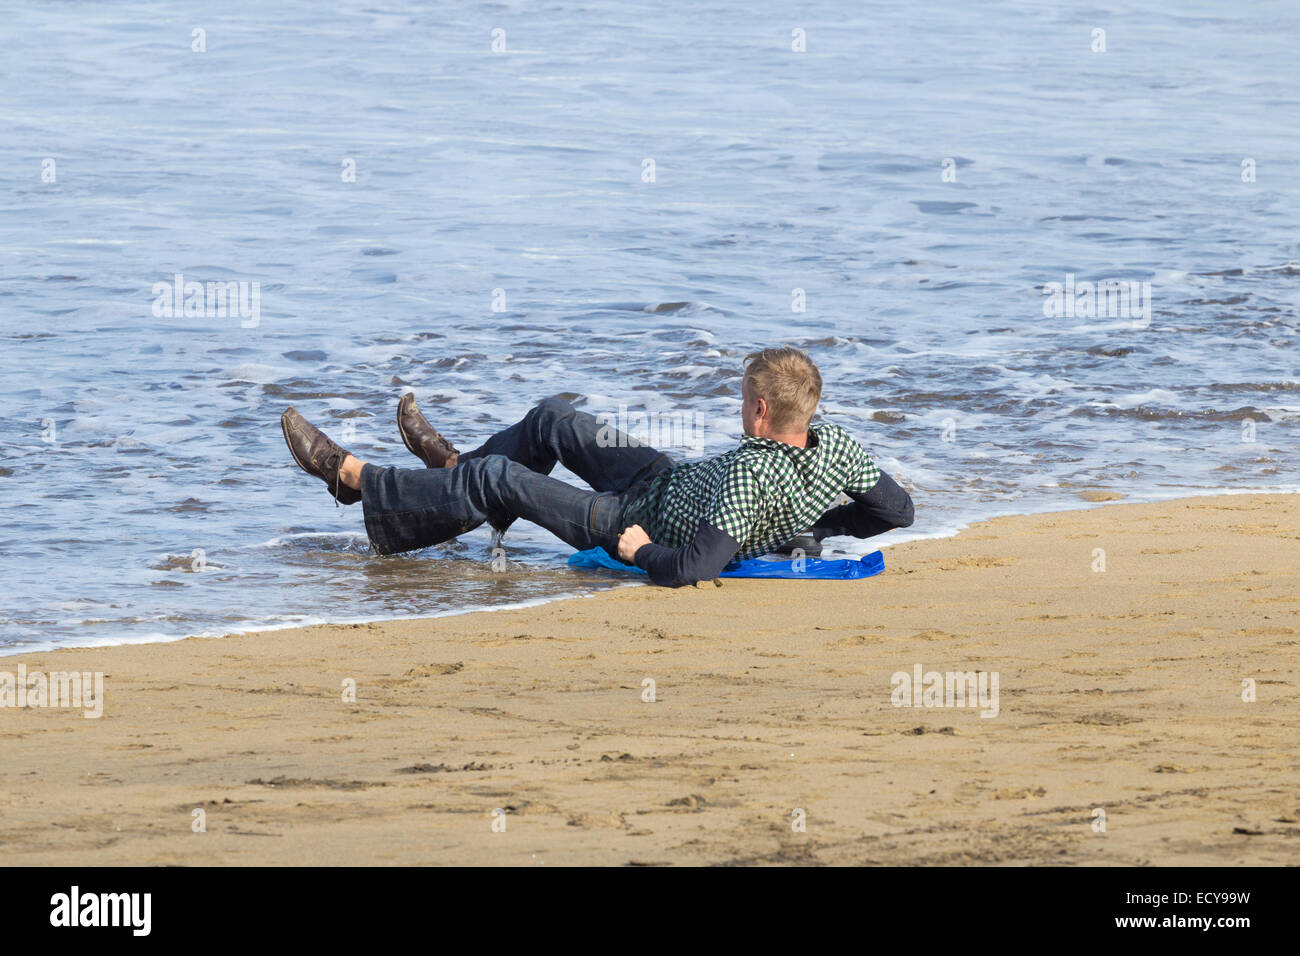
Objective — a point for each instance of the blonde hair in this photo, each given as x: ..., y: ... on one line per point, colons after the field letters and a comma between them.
x: 788, y: 381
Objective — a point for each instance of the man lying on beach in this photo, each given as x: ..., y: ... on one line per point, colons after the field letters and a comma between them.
x: 680, y: 522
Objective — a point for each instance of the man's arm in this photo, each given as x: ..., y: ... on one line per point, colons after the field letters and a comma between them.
x: 701, y: 560
x: 884, y: 507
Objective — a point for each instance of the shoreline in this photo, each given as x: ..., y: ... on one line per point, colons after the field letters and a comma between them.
x: 882, y: 543
x: 1120, y: 690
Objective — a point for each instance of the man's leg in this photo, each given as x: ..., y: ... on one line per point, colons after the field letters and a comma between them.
x: 410, y: 508
x: 554, y: 431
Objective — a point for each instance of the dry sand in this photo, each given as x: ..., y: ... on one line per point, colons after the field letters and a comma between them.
x: 1119, y: 690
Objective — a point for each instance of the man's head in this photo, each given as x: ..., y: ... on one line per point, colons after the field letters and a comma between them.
x: 781, y: 389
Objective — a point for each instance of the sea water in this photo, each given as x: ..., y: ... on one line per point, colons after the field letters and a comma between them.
x: 487, y: 204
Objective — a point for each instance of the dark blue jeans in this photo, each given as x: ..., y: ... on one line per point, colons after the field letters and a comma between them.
x: 508, y: 478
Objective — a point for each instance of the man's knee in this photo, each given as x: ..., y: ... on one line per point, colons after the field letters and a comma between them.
x: 553, y: 407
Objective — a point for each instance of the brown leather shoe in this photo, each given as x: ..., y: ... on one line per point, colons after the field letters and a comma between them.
x: 317, y: 455
x: 421, y: 438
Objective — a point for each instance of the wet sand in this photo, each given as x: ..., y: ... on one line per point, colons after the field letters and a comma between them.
x: 1119, y: 690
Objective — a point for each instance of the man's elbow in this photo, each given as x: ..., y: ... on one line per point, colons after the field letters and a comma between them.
x: 906, y: 514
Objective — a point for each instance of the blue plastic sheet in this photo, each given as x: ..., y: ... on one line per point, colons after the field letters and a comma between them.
x: 839, y: 569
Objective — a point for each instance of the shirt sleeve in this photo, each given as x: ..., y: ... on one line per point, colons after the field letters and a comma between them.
x: 863, y: 470
x: 884, y: 507
x: 701, y: 560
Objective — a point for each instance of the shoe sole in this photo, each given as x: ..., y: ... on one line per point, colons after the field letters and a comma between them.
x: 284, y: 429
x: 405, y: 441
x: 402, y: 431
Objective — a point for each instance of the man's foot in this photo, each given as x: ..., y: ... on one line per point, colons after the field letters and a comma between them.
x: 810, y: 546
x: 421, y: 438
x: 317, y: 455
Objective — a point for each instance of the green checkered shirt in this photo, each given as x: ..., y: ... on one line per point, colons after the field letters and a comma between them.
x: 762, y: 494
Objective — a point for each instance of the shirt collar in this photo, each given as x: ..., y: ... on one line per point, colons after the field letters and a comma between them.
x: 794, y: 451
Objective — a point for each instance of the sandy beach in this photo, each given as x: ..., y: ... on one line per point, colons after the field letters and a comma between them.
x: 1119, y: 690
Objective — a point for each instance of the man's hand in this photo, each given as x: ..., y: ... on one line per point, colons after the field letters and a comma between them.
x: 630, y: 541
